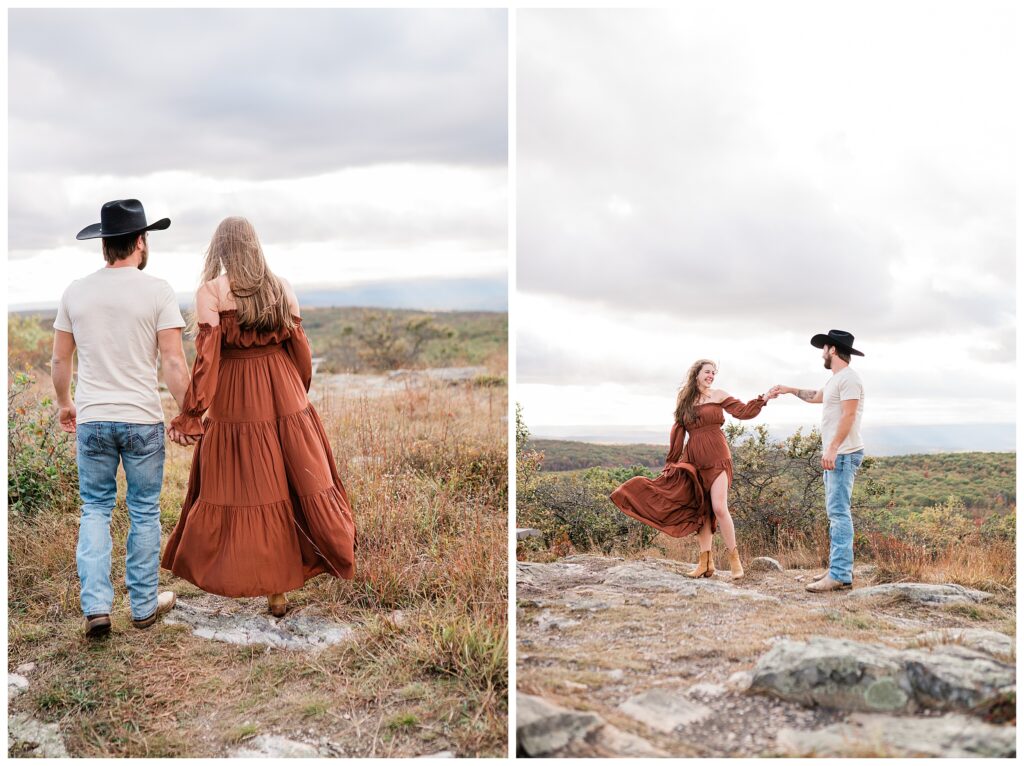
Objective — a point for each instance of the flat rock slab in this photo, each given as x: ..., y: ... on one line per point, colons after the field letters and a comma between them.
x: 664, y: 710
x: 923, y: 593
x: 294, y: 631
x: 28, y: 737
x: 558, y: 572
x: 548, y: 621
x: 988, y: 641
x: 865, y: 734
x: 273, y: 746
x: 610, y: 741
x: 16, y: 684
x: 847, y: 675
x: 706, y: 691
x: 642, y: 575
x: 543, y: 728
x: 587, y: 598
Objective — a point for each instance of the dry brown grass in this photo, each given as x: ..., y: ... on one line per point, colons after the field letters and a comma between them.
x: 975, y: 563
x: 426, y: 472
x: 988, y: 565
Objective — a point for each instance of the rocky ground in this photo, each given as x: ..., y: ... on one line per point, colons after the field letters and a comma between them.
x: 221, y: 621
x: 629, y: 657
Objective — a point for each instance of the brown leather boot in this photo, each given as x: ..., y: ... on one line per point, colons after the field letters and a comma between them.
x: 735, y: 565
x: 278, y: 604
x: 705, y: 566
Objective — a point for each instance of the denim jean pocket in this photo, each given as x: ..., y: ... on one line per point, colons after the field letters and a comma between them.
x: 89, y: 440
x: 146, y: 439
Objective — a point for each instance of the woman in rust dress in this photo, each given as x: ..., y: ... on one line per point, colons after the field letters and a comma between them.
x: 691, y: 494
x: 264, y: 510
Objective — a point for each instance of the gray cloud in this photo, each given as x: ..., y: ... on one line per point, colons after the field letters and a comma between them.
x: 254, y: 93
x: 655, y: 177
x: 251, y: 95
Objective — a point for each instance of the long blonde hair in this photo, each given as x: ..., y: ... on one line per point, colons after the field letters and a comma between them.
x: 689, y: 392
x: 262, y: 302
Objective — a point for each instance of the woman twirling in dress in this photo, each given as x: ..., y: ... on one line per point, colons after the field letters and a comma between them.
x: 264, y: 510
x: 692, y: 493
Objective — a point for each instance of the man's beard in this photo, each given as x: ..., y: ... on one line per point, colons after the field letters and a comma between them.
x: 144, y: 259
x: 828, y: 359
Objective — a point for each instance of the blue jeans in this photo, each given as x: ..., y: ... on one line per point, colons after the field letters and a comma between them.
x: 101, y: 447
x: 838, y: 493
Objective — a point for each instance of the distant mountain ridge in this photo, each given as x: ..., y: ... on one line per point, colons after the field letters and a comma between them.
x: 469, y: 294
x: 879, y: 440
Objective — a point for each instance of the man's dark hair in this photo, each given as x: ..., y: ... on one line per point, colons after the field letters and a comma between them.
x: 118, y: 248
x: 844, y: 355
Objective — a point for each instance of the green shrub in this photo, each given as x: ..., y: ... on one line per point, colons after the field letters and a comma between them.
x: 41, y: 469
x: 577, y: 506
x: 777, y: 493
x: 937, y: 526
x: 1000, y: 527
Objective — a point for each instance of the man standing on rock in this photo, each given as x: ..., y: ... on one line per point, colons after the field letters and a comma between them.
x: 843, y: 450
x: 118, y: 319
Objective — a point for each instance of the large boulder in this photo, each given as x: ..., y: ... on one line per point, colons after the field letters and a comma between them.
x: 874, y: 735
x: 544, y: 728
x: 848, y: 675
x: 764, y: 564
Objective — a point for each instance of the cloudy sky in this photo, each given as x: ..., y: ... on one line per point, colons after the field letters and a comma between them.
x: 729, y: 180
x: 366, y: 146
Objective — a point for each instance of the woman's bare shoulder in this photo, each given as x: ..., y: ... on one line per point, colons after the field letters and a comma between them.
x: 293, y: 299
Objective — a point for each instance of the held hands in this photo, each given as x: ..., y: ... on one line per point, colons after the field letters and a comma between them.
x: 772, y: 393
x: 185, y: 440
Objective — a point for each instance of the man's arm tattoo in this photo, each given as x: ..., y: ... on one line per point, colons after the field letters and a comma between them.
x: 806, y: 394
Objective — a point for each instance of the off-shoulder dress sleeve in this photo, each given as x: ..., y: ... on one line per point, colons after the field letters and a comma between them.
x: 742, y: 411
x: 675, y: 447
x: 203, y: 386
x: 300, y: 352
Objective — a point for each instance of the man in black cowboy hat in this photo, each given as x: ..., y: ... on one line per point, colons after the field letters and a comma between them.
x: 843, y: 450
x: 118, y: 319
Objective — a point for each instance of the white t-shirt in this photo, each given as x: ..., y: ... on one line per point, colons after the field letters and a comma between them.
x: 841, y: 387
x: 115, y: 314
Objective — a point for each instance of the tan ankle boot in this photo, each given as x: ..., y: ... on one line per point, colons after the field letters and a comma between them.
x: 705, y: 567
x: 278, y: 604
x: 735, y: 565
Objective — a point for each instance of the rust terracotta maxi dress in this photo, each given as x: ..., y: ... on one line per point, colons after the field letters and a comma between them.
x: 679, y: 500
x: 265, y: 509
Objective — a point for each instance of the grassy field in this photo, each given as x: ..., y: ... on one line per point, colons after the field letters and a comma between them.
x: 564, y: 455
x: 347, y: 339
x: 931, y: 518
x: 983, y: 481
x: 426, y: 472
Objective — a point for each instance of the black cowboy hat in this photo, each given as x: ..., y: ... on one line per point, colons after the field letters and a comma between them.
x: 838, y: 338
x: 120, y: 217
